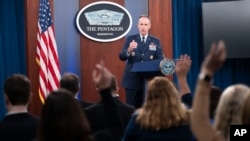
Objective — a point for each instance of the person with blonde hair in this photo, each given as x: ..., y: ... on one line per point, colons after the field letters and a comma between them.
x: 163, y: 116
x: 246, y: 111
x: 230, y: 106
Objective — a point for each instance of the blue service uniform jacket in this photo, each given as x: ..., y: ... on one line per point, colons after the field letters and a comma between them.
x: 151, y: 50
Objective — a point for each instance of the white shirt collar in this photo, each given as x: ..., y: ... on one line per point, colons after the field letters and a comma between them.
x: 146, y: 36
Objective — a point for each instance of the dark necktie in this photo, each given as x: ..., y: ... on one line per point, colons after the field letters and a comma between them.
x: 143, y: 40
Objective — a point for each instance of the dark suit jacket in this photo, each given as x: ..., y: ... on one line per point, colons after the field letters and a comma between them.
x: 98, y: 120
x: 18, y: 127
x: 150, y: 51
x: 84, y: 104
x: 135, y: 133
x: 187, y: 99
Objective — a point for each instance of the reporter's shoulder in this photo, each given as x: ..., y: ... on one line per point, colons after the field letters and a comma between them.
x: 130, y: 107
x: 93, y: 107
x: 125, y: 105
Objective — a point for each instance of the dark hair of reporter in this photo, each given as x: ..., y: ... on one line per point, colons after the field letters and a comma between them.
x: 62, y: 119
x: 70, y: 81
x: 18, y: 94
x: 215, y: 95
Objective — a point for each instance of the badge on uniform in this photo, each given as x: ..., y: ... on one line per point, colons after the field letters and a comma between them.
x: 133, y: 53
x: 151, y: 57
x: 167, y: 66
x: 152, y: 47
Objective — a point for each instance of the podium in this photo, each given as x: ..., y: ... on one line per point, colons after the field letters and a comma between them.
x: 147, y: 70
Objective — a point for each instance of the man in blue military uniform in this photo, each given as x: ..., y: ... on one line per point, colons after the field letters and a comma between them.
x: 138, y: 48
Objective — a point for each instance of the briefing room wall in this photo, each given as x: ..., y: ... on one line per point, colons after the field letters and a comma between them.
x: 68, y: 37
x: 71, y: 43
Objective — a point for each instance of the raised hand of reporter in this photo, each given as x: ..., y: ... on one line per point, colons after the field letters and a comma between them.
x: 214, y: 59
x: 183, y: 66
x: 101, y: 76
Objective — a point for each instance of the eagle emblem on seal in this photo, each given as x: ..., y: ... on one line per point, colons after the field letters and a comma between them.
x: 167, y: 66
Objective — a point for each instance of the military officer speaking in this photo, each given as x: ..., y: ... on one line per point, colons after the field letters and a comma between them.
x: 138, y: 48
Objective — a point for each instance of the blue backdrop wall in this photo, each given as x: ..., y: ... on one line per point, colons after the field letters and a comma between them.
x: 12, y: 43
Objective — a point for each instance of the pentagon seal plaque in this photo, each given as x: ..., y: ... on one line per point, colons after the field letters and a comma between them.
x: 104, y: 21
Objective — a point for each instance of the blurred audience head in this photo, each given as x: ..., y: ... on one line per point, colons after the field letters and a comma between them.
x: 62, y: 118
x: 17, y: 90
x: 70, y: 81
x: 215, y: 95
x: 246, y: 111
x: 113, y: 86
x: 230, y: 106
x: 162, y: 94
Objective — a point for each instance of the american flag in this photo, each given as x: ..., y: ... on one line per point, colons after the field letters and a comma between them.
x: 47, y: 56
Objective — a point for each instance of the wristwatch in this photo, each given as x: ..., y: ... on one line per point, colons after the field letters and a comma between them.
x: 205, y: 77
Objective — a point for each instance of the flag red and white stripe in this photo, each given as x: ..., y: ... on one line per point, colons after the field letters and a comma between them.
x: 47, y: 55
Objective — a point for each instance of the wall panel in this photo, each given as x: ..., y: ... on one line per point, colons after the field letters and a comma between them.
x: 160, y: 12
x: 92, y: 52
